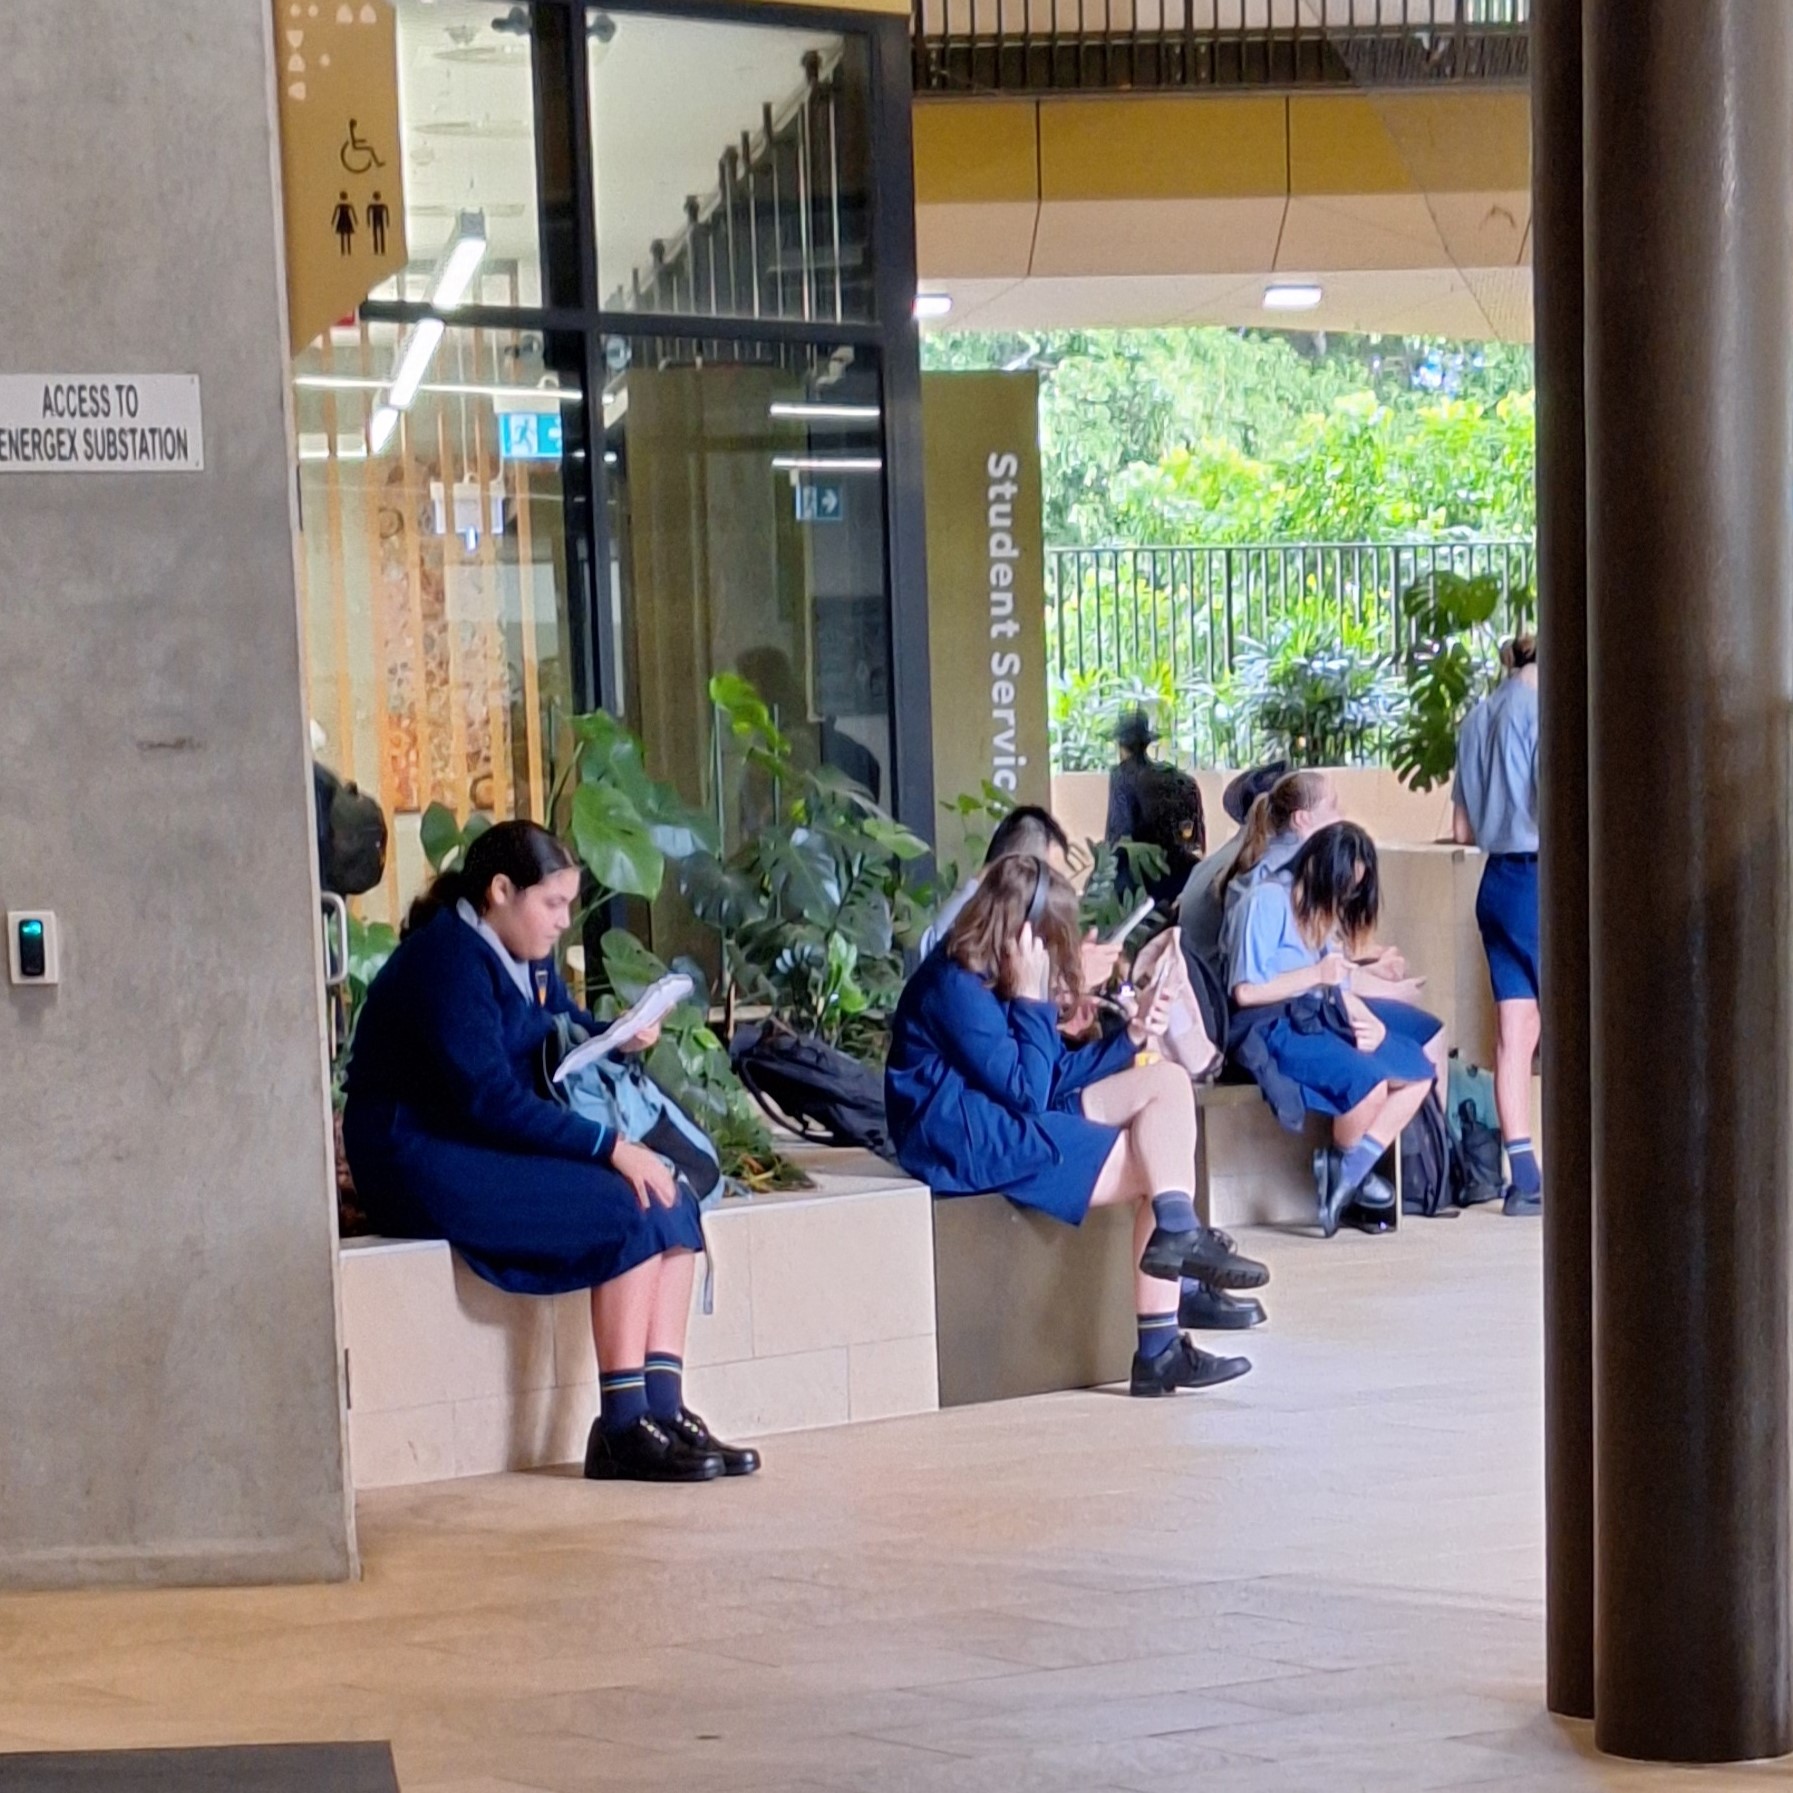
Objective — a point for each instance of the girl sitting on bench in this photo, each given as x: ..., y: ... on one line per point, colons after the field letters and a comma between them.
x: 450, y: 1138
x: 983, y: 1094
x: 1298, y: 1028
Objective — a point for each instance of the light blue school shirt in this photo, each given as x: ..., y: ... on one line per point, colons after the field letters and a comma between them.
x: 1497, y: 769
x: 1262, y: 940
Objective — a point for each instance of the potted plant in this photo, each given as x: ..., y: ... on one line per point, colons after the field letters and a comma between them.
x: 1451, y: 661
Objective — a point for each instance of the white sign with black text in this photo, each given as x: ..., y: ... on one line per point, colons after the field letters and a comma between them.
x: 100, y: 423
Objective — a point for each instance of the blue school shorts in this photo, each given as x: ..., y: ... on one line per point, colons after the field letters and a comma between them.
x: 1506, y: 910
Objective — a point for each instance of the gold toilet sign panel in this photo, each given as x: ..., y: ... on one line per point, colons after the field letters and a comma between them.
x: 340, y: 164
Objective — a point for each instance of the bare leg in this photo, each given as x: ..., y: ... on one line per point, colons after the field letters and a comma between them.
x: 1385, y: 1111
x: 1405, y: 1100
x: 1154, y: 1106
x: 1354, y: 1123
x: 620, y: 1314
x: 670, y: 1318
x: 1517, y: 1030
x: 1124, y: 1180
x: 1438, y: 1050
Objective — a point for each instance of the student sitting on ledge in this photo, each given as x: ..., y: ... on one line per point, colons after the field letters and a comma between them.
x: 449, y: 1138
x: 983, y: 1095
x: 1278, y: 824
x: 1311, y: 1044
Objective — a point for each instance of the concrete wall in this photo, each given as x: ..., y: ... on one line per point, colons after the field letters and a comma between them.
x: 169, y: 1369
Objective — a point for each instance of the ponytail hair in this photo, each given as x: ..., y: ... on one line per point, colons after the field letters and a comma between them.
x: 524, y: 852
x: 1272, y: 814
x: 1519, y: 653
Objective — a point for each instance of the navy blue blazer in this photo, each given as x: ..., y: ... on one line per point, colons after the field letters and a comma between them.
x: 984, y: 1094
x: 448, y: 1047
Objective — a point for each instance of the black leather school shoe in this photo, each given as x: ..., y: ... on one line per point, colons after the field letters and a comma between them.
x: 1182, y: 1365
x: 692, y: 1432
x: 1204, y: 1256
x: 646, y: 1451
x: 1202, y: 1309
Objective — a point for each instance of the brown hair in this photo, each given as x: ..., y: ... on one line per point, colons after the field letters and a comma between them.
x: 1519, y: 653
x: 989, y: 925
x: 1274, y: 813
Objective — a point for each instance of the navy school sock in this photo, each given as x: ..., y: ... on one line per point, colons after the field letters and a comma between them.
x: 1157, y: 1333
x: 1174, y: 1211
x: 622, y: 1399
x: 1522, y: 1162
x: 665, y: 1385
x: 1361, y: 1159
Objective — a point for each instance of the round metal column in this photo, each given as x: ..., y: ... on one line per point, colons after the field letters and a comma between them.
x: 1689, y: 221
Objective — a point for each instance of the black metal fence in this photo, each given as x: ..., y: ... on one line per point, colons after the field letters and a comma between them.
x: 1215, y: 638
x: 1034, y: 46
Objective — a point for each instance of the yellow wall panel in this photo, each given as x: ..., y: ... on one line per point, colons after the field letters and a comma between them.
x: 1190, y: 147
x: 1462, y: 142
x: 972, y: 152
x: 1341, y: 143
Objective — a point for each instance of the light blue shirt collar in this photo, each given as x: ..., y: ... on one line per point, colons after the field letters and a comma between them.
x: 519, y: 972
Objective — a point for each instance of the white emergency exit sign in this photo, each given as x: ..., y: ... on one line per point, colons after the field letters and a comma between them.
x: 100, y: 423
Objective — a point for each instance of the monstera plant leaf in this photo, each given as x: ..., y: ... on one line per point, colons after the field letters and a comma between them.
x: 613, y: 841
x: 721, y: 895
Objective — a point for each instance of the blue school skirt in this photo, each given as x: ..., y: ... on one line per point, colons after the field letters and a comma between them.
x: 1404, y: 1019
x: 1333, y: 1076
x: 1506, y: 910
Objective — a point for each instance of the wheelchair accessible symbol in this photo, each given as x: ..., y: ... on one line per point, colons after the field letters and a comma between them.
x: 357, y: 155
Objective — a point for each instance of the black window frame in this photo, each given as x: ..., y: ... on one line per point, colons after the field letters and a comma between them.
x: 567, y: 202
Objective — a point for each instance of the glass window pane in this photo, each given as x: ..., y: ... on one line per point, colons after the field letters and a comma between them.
x: 731, y: 168
x: 467, y: 118
x: 747, y: 529
x: 434, y: 574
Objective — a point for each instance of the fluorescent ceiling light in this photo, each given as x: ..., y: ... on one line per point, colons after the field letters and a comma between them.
x: 444, y: 388
x: 933, y: 305
x: 1293, y: 296
x: 425, y: 335
x: 843, y: 413
x: 824, y: 463
x: 379, y: 432
x: 461, y: 263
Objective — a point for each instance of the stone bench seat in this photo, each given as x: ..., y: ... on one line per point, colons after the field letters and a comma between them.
x: 823, y: 1313
x: 1029, y: 1306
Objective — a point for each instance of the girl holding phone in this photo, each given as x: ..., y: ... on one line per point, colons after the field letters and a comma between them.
x: 983, y: 1094
x: 1298, y: 1026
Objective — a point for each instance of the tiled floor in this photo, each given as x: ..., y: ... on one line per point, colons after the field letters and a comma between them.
x: 1323, y: 1577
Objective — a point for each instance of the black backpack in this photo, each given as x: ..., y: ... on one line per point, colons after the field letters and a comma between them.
x: 1427, y: 1185
x: 1479, y: 1174
x: 1172, y: 820
x: 351, y: 836
x: 807, y: 1085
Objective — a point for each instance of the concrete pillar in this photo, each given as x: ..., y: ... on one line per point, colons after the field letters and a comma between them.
x: 1557, y: 255
x: 1689, y: 211
x: 170, y: 1401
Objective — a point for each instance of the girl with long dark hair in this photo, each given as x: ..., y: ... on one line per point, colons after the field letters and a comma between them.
x: 1299, y: 1027
x: 449, y: 1137
x: 984, y: 1094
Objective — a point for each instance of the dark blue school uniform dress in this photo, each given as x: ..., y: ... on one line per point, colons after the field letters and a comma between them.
x: 984, y: 1095
x: 448, y: 1137
x: 1331, y: 1074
